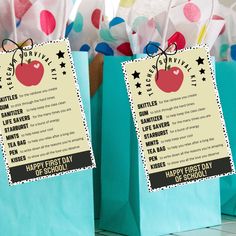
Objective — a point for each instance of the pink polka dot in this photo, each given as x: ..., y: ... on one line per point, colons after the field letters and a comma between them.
x: 47, y: 22
x: 21, y: 7
x: 192, y: 12
x: 216, y: 17
x: 125, y: 49
x: 151, y: 23
x: 96, y: 18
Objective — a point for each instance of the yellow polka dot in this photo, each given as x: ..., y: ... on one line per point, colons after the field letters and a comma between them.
x: 126, y: 3
x: 202, y: 34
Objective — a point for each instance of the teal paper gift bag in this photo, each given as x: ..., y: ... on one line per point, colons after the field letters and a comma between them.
x: 96, y: 115
x: 127, y: 205
x: 56, y: 206
x: 226, y: 83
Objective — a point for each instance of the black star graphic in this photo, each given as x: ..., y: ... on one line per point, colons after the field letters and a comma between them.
x: 136, y: 75
x: 139, y: 93
x: 200, y: 61
x: 63, y: 72
x: 138, y: 85
x: 63, y: 65
x: 60, y: 54
x: 203, y: 79
x: 202, y: 71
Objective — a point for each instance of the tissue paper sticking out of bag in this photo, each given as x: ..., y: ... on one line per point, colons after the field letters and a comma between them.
x: 85, y: 30
x: 114, y: 38
x: 41, y: 20
x: 190, y: 23
x: 45, y: 20
x: 224, y: 48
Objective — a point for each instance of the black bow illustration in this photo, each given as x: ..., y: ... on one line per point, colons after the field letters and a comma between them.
x: 20, y: 47
x: 167, y: 52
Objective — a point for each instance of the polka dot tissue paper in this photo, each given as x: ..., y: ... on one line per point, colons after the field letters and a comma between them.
x: 85, y: 28
x: 138, y: 22
x: 40, y: 20
x: 44, y: 20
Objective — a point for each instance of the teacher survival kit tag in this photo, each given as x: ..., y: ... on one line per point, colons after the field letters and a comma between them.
x: 178, y: 117
x: 43, y: 127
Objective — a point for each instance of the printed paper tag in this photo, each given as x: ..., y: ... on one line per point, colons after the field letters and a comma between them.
x: 178, y: 118
x: 43, y: 127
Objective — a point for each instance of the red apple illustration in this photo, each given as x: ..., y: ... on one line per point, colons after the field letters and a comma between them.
x: 30, y: 74
x: 169, y: 80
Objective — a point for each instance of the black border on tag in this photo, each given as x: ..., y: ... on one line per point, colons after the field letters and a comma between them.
x: 154, y: 185
x: 81, y: 161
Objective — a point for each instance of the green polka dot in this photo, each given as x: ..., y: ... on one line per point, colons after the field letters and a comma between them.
x: 78, y: 24
x: 106, y: 35
x: 138, y: 21
x: 223, y: 51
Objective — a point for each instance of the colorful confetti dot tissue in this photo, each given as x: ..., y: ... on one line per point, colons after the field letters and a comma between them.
x: 45, y: 20
x: 139, y: 22
x: 224, y: 48
x: 85, y: 25
x: 40, y: 20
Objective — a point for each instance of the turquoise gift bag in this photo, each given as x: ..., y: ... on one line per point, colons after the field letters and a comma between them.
x: 96, y: 116
x: 127, y: 207
x: 56, y: 206
x: 226, y: 82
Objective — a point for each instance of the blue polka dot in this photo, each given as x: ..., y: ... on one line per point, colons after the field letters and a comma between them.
x: 18, y: 23
x: 68, y: 29
x: 116, y: 21
x: 233, y: 52
x: 105, y: 49
x: 152, y: 48
x: 85, y: 48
